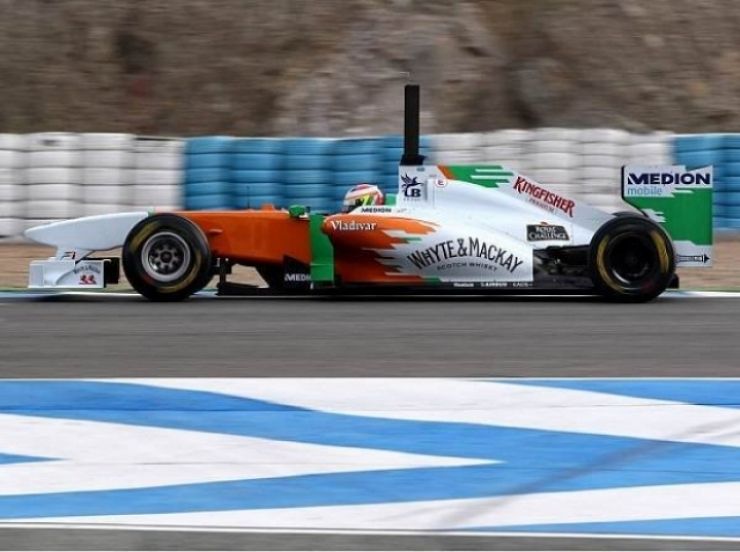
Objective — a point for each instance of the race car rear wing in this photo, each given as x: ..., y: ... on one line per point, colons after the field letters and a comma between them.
x: 681, y: 201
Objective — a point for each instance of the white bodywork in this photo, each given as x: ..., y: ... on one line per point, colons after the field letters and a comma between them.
x: 74, y: 240
x: 487, y: 222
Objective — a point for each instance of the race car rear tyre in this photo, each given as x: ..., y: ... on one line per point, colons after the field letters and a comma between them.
x: 631, y: 259
x: 166, y: 258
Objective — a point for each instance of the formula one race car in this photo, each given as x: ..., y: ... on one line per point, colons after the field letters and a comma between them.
x: 471, y: 229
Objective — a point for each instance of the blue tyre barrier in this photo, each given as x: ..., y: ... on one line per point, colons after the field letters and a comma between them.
x: 193, y: 189
x: 731, y: 169
x: 208, y: 144
x: 309, y: 146
x: 307, y: 162
x: 730, y: 155
x: 357, y: 146
x: 307, y: 177
x: 259, y: 145
x: 731, y: 184
x: 256, y: 202
x: 257, y: 189
x: 698, y: 142
x: 732, y: 211
x: 213, y: 201
x: 359, y: 162
x: 206, y: 161
x: 352, y: 178
x: 257, y: 176
x: 322, y: 204
x: 731, y: 141
x: 307, y: 190
x: 693, y: 159
x: 214, y: 174
x: 256, y: 161
x: 728, y: 198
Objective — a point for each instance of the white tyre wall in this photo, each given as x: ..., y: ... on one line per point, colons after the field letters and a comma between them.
x: 159, y: 196
x: 62, y: 192
x: 158, y: 145
x: 493, y: 153
x: 112, y: 195
x: 601, y: 173
x: 605, y: 161
x: 604, y: 135
x: 507, y: 137
x: 52, y: 175
x: 11, y: 209
x: 459, y: 157
x: 518, y: 165
x: 106, y: 141
x: 554, y: 161
x: 101, y: 176
x: 12, y: 141
x: 107, y: 158
x: 462, y: 141
x: 152, y: 177
x: 165, y: 160
x: 11, y: 192
x: 11, y: 159
x: 54, y: 159
x: 51, y: 209
x: 92, y: 209
x: 550, y: 177
x: 607, y: 202
x: 44, y: 141
x: 556, y: 134
x: 10, y: 227
x: 538, y: 147
x: 603, y: 149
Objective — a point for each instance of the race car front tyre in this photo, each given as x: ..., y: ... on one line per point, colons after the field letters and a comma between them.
x: 631, y: 259
x: 166, y: 258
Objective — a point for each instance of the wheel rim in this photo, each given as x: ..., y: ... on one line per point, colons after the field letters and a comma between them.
x: 165, y: 257
x: 633, y: 259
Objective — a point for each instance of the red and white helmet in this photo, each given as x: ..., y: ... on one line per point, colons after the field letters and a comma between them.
x: 361, y: 195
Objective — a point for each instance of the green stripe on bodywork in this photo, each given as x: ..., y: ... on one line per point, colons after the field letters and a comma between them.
x: 322, y: 252
x: 487, y: 176
x: 688, y: 215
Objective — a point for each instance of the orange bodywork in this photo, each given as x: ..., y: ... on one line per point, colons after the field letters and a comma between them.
x: 254, y: 237
x: 364, y: 250
x: 266, y: 236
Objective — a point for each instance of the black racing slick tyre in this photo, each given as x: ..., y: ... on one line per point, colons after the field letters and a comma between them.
x: 166, y: 258
x: 631, y: 259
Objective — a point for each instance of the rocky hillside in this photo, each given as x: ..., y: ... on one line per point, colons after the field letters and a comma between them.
x: 328, y: 67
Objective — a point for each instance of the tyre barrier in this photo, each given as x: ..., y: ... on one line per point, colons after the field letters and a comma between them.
x: 207, y: 173
x: 158, y: 183
x: 53, y: 175
x: 13, y: 159
x: 106, y: 181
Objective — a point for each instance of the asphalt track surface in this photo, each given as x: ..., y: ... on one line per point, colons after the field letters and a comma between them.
x: 253, y: 337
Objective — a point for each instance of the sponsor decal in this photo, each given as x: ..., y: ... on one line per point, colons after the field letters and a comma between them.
x: 540, y: 196
x: 670, y: 178
x: 297, y: 277
x: 704, y: 259
x: 440, y: 182
x: 443, y: 253
x: 411, y: 187
x: 376, y: 210
x: 352, y: 226
x: 88, y: 279
x: 546, y: 232
x: 86, y: 267
x: 662, y: 181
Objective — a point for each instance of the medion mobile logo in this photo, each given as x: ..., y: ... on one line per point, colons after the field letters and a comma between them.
x: 669, y: 178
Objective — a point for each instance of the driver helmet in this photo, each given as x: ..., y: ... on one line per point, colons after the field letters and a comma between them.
x: 361, y: 195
